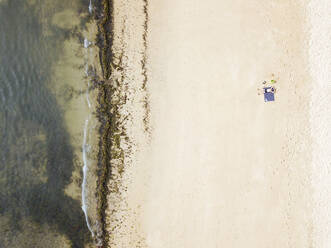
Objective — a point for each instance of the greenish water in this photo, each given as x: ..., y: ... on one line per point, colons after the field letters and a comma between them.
x: 36, y: 156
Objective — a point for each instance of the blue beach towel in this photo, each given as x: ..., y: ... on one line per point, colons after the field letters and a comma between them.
x: 269, y: 94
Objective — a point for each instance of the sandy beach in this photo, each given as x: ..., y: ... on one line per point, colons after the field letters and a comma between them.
x: 220, y: 167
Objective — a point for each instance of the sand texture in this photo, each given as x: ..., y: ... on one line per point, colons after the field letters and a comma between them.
x: 207, y: 162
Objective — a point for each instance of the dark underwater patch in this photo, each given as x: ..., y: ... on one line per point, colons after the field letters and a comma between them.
x: 36, y: 159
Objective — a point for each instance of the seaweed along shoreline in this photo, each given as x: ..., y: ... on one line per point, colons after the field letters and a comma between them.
x: 123, y: 114
x: 107, y: 118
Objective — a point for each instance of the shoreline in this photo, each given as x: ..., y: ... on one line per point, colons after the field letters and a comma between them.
x: 123, y: 112
x: 103, y: 17
x: 90, y: 131
x: 74, y: 79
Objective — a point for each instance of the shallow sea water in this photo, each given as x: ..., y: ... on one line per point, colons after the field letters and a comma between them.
x: 40, y: 154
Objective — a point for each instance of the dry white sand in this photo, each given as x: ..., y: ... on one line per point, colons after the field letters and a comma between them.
x: 223, y: 168
x: 320, y: 112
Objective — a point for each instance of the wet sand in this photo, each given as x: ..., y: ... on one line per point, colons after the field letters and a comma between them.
x: 222, y: 168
